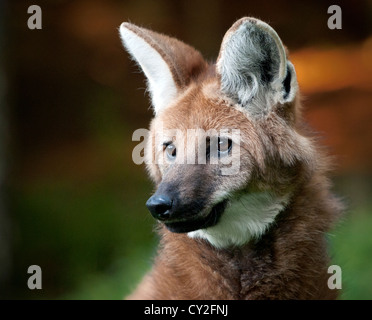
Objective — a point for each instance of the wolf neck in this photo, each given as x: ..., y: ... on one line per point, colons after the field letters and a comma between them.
x: 288, y: 261
x: 246, y: 218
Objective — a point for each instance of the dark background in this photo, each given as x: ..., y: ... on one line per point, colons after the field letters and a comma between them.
x: 71, y: 199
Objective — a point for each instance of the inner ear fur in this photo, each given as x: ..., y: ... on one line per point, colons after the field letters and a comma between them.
x: 169, y: 64
x: 253, y: 67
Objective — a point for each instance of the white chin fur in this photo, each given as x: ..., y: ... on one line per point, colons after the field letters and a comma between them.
x: 245, y: 218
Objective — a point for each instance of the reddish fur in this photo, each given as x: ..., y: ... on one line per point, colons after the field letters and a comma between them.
x: 290, y: 260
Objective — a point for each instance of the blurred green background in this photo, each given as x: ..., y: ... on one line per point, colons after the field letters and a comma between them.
x: 71, y: 199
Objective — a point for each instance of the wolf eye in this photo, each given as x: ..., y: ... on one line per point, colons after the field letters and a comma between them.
x: 224, y: 146
x: 171, y: 151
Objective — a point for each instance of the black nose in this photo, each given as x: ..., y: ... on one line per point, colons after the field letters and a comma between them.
x: 159, y: 206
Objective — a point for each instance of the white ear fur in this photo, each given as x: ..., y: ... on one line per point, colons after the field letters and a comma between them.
x: 161, y: 84
x: 253, y: 67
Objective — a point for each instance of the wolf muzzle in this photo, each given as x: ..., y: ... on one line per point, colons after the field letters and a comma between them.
x: 181, y: 217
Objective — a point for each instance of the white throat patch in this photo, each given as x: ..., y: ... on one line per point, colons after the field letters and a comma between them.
x: 245, y: 218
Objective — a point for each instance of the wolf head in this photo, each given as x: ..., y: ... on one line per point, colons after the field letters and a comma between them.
x: 225, y: 148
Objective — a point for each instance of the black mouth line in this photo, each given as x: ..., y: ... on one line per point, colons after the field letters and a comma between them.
x: 200, y: 223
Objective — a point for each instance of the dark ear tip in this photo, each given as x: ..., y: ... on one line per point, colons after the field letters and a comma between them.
x: 242, y: 21
x: 126, y: 25
x: 250, y: 20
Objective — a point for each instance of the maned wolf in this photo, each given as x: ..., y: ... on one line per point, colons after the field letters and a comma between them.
x: 253, y: 233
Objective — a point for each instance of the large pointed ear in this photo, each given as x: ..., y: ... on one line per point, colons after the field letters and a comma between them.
x: 169, y: 64
x: 253, y: 67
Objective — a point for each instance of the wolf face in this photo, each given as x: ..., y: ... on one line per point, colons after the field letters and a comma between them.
x: 226, y: 149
